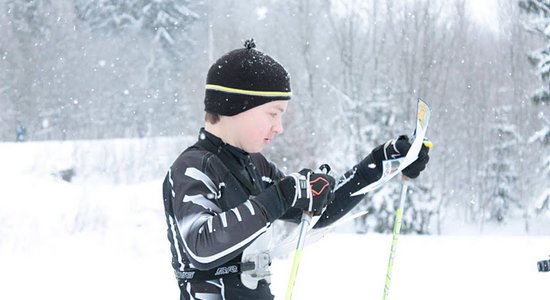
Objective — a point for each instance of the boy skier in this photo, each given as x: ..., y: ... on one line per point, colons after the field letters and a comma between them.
x: 221, y: 194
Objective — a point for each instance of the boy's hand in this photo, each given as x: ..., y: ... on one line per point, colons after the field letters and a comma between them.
x: 398, y: 148
x: 307, y: 190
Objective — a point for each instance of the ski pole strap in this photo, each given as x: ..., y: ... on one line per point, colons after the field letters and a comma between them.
x: 190, y: 275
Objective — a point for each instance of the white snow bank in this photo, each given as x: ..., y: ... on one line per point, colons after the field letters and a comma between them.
x: 108, y: 161
x: 91, y: 241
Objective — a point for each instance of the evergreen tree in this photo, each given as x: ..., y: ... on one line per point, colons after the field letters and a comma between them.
x: 30, y: 62
x: 160, y: 31
x: 501, y: 176
x: 423, y: 206
x: 107, y: 16
x: 167, y: 22
x: 381, y: 204
x: 540, y: 59
x: 542, y: 138
x: 539, y: 22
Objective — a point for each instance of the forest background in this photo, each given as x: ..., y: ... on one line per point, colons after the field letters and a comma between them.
x: 101, y: 70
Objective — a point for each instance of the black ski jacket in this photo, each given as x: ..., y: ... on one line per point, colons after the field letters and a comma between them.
x: 210, y: 200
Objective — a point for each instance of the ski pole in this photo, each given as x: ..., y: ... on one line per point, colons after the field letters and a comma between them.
x: 304, y: 225
x: 396, y: 229
x: 397, y: 225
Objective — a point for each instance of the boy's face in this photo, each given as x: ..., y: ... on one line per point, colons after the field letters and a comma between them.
x: 255, y: 128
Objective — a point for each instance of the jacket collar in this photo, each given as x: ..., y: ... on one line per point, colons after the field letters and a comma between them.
x: 217, y: 145
x: 235, y: 159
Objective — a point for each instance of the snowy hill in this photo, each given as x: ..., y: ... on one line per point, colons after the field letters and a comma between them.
x: 102, y: 236
x: 118, y: 161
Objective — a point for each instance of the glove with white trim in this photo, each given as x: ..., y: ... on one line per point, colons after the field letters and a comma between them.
x: 398, y: 148
x: 307, y: 190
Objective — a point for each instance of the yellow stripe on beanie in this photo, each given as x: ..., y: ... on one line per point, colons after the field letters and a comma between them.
x: 221, y: 88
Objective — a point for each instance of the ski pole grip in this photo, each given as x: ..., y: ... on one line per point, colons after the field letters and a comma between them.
x: 324, y: 168
x: 427, y: 143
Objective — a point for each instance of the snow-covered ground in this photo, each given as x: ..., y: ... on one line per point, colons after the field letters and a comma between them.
x: 102, y: 236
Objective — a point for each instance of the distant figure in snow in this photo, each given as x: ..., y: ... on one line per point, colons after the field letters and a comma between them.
x: 21, y: 132
x: 221, y: 195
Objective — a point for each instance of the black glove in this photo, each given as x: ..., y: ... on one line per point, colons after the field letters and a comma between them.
x: 307, y: 190
x: 399, y: 148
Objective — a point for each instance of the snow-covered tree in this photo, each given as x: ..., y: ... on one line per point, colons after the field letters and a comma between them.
x: 36, y: 63
x: 501, y: 177
x: 8, y: 82
x: 28, y: 27
x: 107, y: 16
x: 168, y: 25
x: 542, y: 138
x: 539, y: 22
x: 159, y: 30
x: 422, y: 207
x: 381, y: 204
x: 368, y: 100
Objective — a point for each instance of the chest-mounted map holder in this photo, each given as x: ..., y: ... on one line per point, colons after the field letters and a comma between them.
x: 544, y: 265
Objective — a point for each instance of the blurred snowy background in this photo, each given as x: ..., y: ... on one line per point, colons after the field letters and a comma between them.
x: 97, y: 98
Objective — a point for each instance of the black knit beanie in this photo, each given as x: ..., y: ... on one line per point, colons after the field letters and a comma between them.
x: 244, y: 78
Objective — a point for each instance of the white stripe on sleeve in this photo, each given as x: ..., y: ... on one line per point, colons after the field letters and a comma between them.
x: 237, y: 214
x: 198, y: 175
x: 248, y: 204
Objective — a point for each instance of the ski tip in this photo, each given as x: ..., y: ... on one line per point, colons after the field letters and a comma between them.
x: 423, y: 101
x: 423, y: 114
